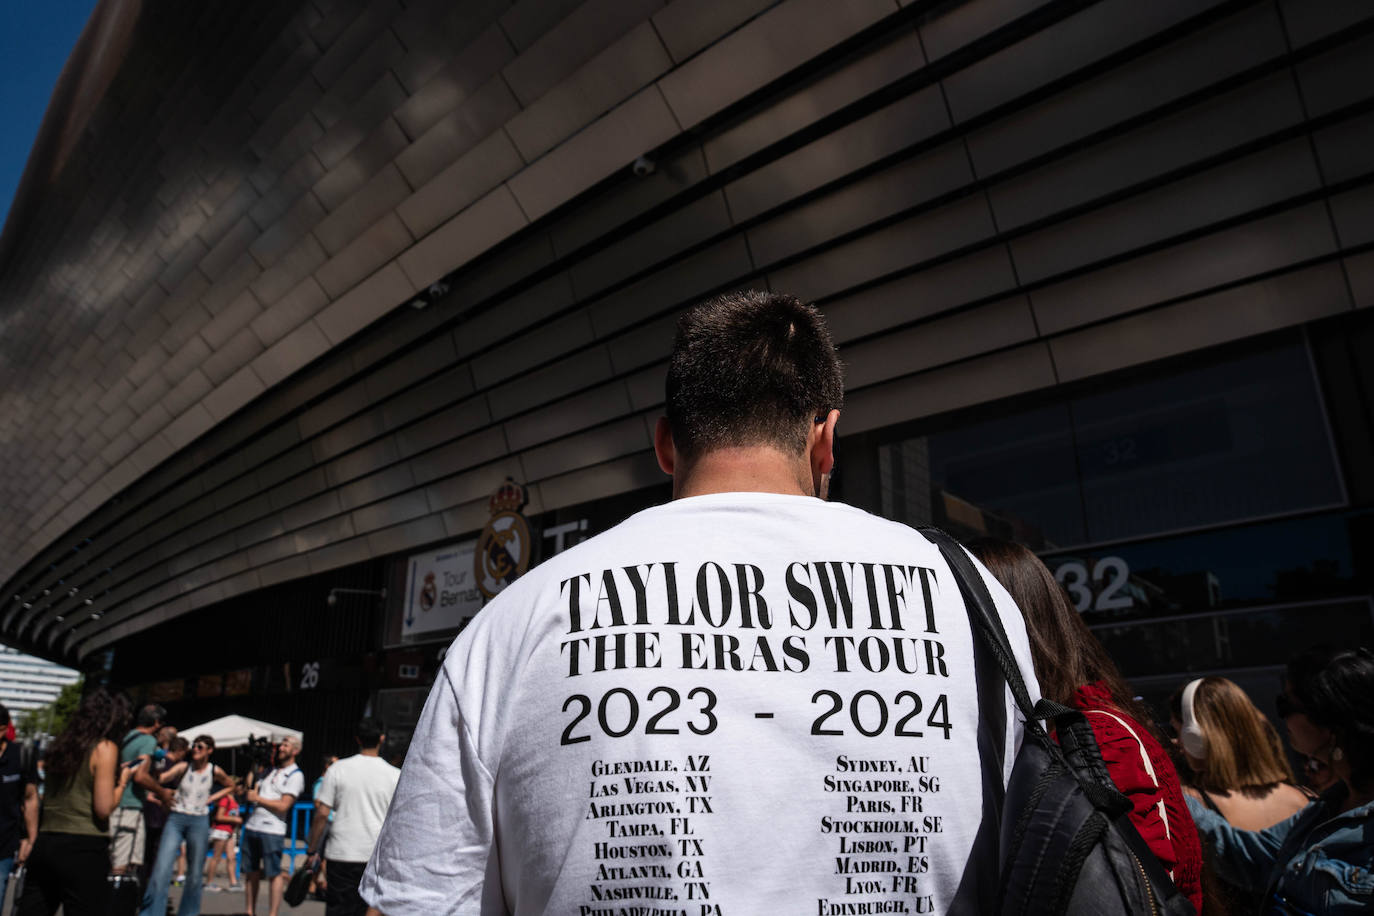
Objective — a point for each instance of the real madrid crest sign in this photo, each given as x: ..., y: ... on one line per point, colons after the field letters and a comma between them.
x: 503, y: 549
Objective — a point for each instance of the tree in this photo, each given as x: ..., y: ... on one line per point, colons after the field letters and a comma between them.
x: 53, y: 718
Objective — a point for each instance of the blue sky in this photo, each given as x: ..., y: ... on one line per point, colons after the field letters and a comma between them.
x: 35, y: 40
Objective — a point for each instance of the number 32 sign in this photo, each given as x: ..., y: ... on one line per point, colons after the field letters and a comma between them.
x: 1108, y: 581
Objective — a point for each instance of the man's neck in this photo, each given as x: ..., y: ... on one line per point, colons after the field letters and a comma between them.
x: 370, y: 751
x: 749, y: 469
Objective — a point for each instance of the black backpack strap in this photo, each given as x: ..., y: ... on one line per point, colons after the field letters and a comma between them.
x: 1171, y: 904
x: 977, y: 892
x: 982, y: 612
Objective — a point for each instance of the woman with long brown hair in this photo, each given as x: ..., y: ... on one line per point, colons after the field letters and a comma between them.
x: 71, y: 856
x: 1074, y: 670
x: 1236, y: 755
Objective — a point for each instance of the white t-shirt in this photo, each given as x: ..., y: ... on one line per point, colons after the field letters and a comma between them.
x: 760, y: 702
x: 276, y: 784
x: 358, y: 789
x: 193, y: 793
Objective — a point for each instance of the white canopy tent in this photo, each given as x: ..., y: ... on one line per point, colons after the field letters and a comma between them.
x: 234, y: 731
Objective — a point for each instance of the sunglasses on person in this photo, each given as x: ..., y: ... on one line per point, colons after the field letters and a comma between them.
x: 199, y: 746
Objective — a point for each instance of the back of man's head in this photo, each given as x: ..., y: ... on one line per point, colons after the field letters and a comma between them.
x: 749, y: 369
x: 369, y: 733
x: 151, y: 716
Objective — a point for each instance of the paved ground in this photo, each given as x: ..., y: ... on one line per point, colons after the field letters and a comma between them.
x: 226, y: 902
x: 231, y: 902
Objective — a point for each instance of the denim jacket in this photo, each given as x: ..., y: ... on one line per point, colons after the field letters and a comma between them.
x: 1316, y: 862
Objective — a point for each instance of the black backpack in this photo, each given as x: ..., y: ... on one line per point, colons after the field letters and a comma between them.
x: 1067, y: 844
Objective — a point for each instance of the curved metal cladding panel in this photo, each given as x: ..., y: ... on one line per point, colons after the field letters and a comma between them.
x: 212, y: 382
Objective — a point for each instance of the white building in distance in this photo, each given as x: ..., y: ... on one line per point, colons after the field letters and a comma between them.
x: 29, y: 683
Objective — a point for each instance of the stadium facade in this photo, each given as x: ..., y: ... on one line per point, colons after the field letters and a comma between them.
x: 318, y: 319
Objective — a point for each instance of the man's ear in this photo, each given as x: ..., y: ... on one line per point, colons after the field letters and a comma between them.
x: 664, y: 449
x: 821, y: 453
x: 822, y: 449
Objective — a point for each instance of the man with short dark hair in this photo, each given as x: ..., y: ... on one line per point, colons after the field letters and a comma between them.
x: 128, y: 829
x: 749, y: 700
x: 351, y: 805
x: 18, y: 792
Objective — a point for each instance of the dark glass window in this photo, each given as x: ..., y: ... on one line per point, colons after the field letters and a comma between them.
x: 1240, y: 639
x: 1013, y: 477
x: 1239, y: 438
x: 1281, y: 561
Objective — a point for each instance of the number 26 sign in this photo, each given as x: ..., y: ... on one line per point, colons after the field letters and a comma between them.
x: 1104, y: 590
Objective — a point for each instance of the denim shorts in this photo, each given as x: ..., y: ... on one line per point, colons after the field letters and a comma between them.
x: 262, y: 852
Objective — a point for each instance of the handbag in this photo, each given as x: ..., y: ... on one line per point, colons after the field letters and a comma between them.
x: 1067, y: 843
x: 299, y: 885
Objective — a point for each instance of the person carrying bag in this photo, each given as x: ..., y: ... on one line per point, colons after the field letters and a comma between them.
x: 1067, y: 844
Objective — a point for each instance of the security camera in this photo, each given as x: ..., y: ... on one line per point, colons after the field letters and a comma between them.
x: 438, y: 290
x: 643, y: 166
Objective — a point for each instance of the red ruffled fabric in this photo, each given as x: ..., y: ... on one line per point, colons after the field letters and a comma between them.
x: 1171, y: 834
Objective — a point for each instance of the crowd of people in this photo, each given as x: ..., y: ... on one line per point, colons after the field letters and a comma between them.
x: 688, y: 706
x: 752, y: 640
x: 125, y: 810
x: 1237, y: 830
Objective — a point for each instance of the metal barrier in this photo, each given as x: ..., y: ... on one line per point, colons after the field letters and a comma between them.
x: 297, y: 838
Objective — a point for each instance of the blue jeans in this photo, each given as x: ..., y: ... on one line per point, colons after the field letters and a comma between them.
x: 6, y: 866
x: 194, y: 830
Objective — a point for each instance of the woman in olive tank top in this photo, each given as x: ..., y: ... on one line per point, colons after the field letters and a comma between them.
x: 68, y: 863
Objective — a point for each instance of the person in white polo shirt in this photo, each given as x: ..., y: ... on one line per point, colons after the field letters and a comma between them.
x: 265, y: 833
x: 357, y: 791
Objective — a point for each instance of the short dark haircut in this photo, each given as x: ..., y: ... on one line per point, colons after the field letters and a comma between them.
x: 207, y: 740
x: 369, y: 732
x: 151, y: 715
x: 750, y: 368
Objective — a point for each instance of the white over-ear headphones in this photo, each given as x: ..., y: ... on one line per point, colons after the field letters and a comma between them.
x: 1191, y: 735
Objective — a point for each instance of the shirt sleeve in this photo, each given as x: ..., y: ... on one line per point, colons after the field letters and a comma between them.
x: 1243, y: 857
x: 294, y: 785
x: 437, y: 843
x: 141, y: 746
